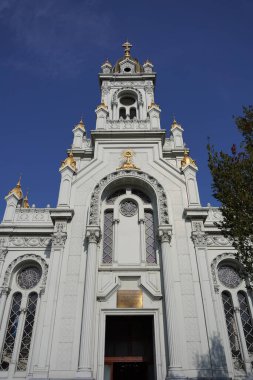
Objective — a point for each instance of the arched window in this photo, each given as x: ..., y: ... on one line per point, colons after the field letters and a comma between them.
x: 20, y: 320
x: 130, y: 106
x: 237, y: 313
x: 11, y: 332
x: 128, y: 228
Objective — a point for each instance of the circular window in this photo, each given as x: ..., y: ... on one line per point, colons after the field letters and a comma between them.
x: 127, y: 69
x: 29, y: 277
x: 229, y: 276
x: 128, y: 207
x: 127, y: 101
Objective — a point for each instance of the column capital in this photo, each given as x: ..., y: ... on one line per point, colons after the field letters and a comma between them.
x: 93, y: 234
x: 165, y: 233
x: 198, y: 234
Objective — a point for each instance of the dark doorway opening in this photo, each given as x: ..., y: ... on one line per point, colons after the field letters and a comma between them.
x: 129, y: 348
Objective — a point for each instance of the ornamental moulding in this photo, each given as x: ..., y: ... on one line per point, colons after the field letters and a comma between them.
x: 158, y: 189
x: 131, y: 89
x: 214, y: 266
x: 23, y: 259
x: 30, y: 241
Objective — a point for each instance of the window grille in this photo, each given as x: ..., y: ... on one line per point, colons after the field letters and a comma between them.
x: 246, y: 320
x: 229, y: 276
x: 11, y: 332
x: 108, y: 237
x: 29, y: 277
x: 27, y: 333
x: 150, y: 237
x: 232, y: 330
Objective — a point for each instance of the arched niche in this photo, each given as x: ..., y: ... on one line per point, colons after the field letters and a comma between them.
x: 138, y: 179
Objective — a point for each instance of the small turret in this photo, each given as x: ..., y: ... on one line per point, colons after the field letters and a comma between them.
x: 69, y: 161
x: 17, y: 190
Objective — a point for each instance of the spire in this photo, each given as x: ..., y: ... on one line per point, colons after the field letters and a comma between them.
x: 127, y: 47
x: 25, y: 201
x: 80, y: 124
x: 17, y: 189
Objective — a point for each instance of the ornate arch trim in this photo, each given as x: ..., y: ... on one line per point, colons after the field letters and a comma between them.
x: 116, y: 93
x: 214, y: 265
x: 22, y: 259
x: 95, y: 204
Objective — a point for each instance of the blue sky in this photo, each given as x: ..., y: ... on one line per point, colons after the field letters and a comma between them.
x: 51, y: 52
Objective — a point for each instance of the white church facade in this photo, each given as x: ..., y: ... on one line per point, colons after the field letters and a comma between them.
x: 128, y: 277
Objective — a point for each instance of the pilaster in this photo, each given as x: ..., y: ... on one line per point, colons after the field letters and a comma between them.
x: 67, y: 174
x: 189, y: 172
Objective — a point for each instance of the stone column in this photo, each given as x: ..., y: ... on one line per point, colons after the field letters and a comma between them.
x: 143, y: 241
x: 4, y: 294
x: 245, y: 354
x: 173, y: 343
x: 115, y: 241
x: 58, y: 242
x: 87, y: 336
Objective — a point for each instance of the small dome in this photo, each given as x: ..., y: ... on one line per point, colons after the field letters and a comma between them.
x: 127, y: 58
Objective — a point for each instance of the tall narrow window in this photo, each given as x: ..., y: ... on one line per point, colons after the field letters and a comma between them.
x: 108, y: 237
x: 246, y: 320
x: 150, y: 237
x: 122, y: 112
x: 11, y: 332
x: 132, y: 113
x: 27, y: 333
x: 232, y: 329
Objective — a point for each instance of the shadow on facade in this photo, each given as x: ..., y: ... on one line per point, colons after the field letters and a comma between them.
x: 213, y: 365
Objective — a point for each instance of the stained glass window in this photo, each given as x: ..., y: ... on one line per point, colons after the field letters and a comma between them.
x: 11, y: 332
x: 150, y: 237
x: 232, y: 330
x: 27, y: 332
x: 246, y: 320
x: 108, y: 237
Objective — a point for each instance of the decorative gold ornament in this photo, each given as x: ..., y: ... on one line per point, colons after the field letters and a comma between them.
x: 128, y: 158
x: 25, y: 201
x: 102, y: 105
x: 127, y: 46
x: 17, y: 189
x: 187, y: 160
x: 80, y: 124
x: 153, y: 104
x: 69, y: 161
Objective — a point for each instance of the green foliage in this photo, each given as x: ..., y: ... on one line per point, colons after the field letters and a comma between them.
x: 233, y: 187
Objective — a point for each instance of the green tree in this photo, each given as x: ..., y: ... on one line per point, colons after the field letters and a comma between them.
x: 233, y: 188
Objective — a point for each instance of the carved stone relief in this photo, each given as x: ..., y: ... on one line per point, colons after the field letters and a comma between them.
x: 60, y: 235
x: 116, y: 93
x: 30, y: 241
x: 160, y: 193
x: 34, y: 215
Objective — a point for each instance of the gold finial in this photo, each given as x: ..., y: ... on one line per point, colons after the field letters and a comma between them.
x: 187, y: 160
x: 69, y: 161
x: 80, y: 124
x: 17, y: 189
x: 25, y: 201
x: 153, y: 104
x: 127, y: 46
x: 128, y: 158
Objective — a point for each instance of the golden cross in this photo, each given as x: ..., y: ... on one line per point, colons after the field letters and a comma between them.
x: 127, y: 46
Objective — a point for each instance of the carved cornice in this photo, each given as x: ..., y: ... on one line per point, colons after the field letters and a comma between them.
x: 160, y: 193
x: 30, y: 241
x: 60, y: 235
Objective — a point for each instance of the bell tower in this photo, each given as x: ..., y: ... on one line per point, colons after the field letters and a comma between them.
x: 127, y: 95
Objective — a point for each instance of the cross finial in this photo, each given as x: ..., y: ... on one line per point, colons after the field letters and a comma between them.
x: 127, y: 46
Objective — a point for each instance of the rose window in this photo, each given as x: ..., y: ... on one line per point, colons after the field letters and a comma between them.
x: 29, y: 277
x: 128, y: 207
x: 229, y: 276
